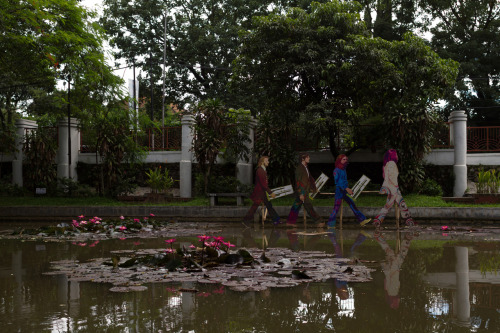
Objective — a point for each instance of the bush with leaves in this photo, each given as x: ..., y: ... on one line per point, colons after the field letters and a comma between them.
x: 431, y: 187
x: 159, y: 181
x: 219, y: 130
x: 40, y: 149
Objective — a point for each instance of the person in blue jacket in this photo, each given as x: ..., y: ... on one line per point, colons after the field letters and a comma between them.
x: 341, y: 191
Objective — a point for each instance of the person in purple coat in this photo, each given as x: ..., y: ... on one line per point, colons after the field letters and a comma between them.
x: 260, y: 191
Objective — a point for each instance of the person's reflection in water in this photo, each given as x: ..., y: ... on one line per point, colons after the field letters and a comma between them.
x: 293, y: 238
x: 340, y: 285
x: 392, y: 265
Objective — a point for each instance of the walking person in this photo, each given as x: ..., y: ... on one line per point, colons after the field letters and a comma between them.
x: 391, y: 188
x: 304, y: 184
x: 260, y: 191
x: 341, y: 191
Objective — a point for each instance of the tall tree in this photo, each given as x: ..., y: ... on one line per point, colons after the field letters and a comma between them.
x: 324, y: 65
x: 469, y: 32
x: 200, y: 38
x: 45, y: 40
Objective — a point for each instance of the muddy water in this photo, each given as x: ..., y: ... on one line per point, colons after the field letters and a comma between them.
x: 425, y: 281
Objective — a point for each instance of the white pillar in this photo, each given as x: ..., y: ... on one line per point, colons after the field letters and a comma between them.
x: 23, y: 126
x: 458, y: 123
x: 462, y: 304
x: 186, y: 162
x: 64, y: 169
x: 244, y: 169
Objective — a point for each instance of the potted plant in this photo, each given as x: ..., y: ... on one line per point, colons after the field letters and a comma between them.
x: 159, y: 181
x: 487, y: 187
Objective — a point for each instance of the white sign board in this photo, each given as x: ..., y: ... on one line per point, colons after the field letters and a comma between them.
x: 320, y: 182
x: 360, y: 186
x: 281, y: 191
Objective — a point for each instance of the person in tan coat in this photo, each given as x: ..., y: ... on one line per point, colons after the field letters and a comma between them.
x: 304, y: 184
x: 391, y: 188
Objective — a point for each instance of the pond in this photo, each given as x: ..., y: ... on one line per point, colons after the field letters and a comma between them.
x: 420, y: 280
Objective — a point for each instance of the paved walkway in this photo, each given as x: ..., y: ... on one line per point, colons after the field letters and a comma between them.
x: 429, y: 214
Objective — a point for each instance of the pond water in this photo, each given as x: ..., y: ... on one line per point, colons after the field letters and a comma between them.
x: 422, y: 280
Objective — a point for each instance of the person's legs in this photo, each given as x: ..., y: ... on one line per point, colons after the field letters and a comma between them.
x: 249, y: 216
x: 310, y: 209
x: 403, y: 208
x: 274, y: 216
x: 336, y: 206
x: 294, y: 211
x: 388, y: 204
x: 357, y: 213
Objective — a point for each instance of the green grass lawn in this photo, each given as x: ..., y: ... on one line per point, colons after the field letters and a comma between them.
x: 368, y: 200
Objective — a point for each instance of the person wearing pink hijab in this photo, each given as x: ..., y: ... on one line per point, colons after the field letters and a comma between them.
x: 391, y: 188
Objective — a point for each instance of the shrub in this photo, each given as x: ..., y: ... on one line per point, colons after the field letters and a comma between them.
x: 218, y: 184
x: 431, y: 187
x: 159, y: 181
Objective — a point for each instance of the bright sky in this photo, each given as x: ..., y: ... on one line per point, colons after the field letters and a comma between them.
x: 123, y: 73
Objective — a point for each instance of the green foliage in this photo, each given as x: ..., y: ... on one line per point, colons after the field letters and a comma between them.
x: 68, y: 187
x: 431, y: 187
x: 9, y: 189
x: 275, y: 140
x: 324, y: 66
x: 489, y: 262
x: 217, y: 184
x: 217, y: 130
x: 488, y: 181
x: 469, y: 32
x: 40, y: 150
x: 159, y: 181
x: 45, y: 40
x: 113, y: 133
x: 201, y: 42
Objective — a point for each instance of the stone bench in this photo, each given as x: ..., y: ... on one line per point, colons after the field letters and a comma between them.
x: 215, y: 196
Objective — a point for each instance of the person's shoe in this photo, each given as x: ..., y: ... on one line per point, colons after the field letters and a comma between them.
x: 367, y: 235
x: 365, y: 222
x: 410, y: 222
x: 246, y: 224
x: 331, y: 225
x: 277, y: 222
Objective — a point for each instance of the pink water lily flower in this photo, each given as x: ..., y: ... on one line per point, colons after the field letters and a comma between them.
x: 219, y: 239
x: 152, y: 215
x: 203, y: 238
x: 170, y: 250
x: 170, y: 241
x: 122, y: 227
x: 137, y: 220
x: 81, y: 216
x: 192, y: 246
x: 122, y: 217
x: 444, y: 227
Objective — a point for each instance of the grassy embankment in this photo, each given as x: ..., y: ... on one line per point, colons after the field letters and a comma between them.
x: 368, y: 200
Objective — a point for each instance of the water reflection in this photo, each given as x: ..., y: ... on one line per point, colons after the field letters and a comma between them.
x: 392, y: 263
x: 421, y: 283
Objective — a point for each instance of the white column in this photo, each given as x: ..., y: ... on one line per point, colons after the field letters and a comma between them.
x: 186, y: 162
x: 244, y: 170
x: 64, y: 169
x: 462, y: 306
x: 22, y: 126
x: 458, y: 120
